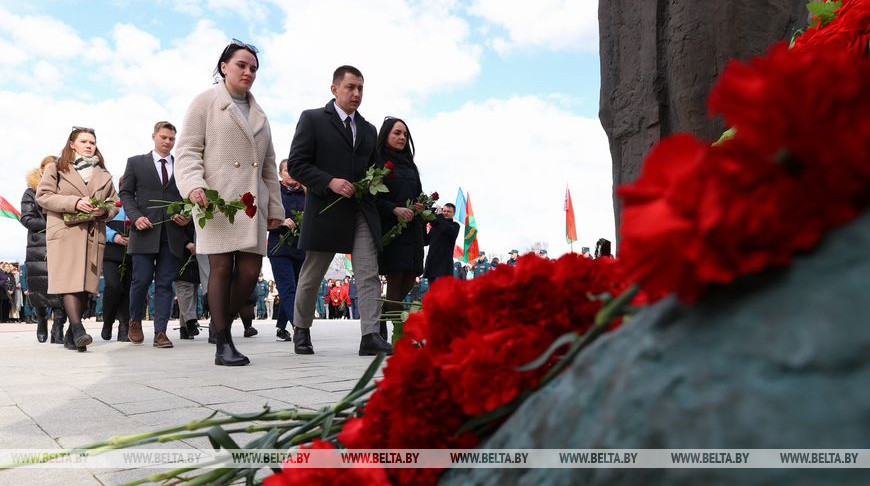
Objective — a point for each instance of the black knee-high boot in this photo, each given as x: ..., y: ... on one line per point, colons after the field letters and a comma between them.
x: 41, y: 323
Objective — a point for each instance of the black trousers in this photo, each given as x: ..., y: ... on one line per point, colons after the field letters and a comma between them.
x: 116, y: 297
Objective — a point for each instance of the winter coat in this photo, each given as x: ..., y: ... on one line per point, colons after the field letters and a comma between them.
x: 405, y: 252
x: 320, y: 152
x: 33, y: 219
x: 75, y: 252
x: 441, y: 240
x: 292, y: 200
x: 218, y: 149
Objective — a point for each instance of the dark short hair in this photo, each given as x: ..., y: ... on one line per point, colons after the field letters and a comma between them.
x: 282, y: 165
x: 164, y: 124
x: 340, y: 71
x: 228, y: 53
x: 450, y: 205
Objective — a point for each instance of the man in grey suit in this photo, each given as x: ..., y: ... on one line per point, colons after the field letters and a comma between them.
x: 156, y: 245
x: 334, y: 146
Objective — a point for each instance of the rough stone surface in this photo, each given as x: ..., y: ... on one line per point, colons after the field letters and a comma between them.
x: 659, y: 59
x: 781, y: 360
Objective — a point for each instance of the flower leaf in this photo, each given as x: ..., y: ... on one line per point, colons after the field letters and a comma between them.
x: 825, y: 13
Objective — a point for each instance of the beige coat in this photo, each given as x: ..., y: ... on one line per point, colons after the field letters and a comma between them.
x: 74, y: 253
x: 218, y: 149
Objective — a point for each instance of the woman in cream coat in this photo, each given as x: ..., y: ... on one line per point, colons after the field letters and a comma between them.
x: 75, y: 251
x: 226, y: 145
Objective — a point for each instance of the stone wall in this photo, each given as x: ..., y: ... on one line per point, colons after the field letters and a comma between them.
x: 659, y: 59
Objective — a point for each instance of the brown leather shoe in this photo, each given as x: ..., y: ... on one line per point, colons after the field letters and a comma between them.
x: 134, y: 333
x: 161, y: 341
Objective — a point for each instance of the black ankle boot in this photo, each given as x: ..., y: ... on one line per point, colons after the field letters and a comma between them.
x: 69, y: 342
x: 57, y: 331
x: 211, y: 337
x: 192, y: 328
x: 226, y: 353
x: 123, y: 327
x: 383, y: 330
x: 42, y: 329
x: 80, y: 337
x: 106, y: 333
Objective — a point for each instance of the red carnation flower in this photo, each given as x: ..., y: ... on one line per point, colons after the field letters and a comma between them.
x: 248, y: 199
x: 434, y: 196
x: 339, y: 475
x: 251, y: 211
x: 118, y: 203
x: 849, y: 31
x: 389, y: 165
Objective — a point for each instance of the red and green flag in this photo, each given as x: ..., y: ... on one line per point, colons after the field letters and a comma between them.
x: 570, y: 226
x: 348, y: 265
x: 8, y: 211
x: 471, y: 251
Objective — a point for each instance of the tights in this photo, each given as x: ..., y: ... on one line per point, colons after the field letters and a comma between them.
x: 229, y: 291
x: 75, y: 305
x: 246, y: 313
x: 398, y: 286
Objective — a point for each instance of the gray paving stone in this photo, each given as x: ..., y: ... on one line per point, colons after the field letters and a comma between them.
x: 51, y: 397
x: 156, y: 405
x: 300, y: 395
x: 125, y: 393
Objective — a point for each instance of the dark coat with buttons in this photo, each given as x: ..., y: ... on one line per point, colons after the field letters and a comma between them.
x: 321, y: 151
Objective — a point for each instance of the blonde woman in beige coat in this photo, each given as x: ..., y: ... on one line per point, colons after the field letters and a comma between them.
x: 75, y: 251
x: 226, y: 145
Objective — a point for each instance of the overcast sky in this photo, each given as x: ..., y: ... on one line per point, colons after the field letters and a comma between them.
x: 501, y: 96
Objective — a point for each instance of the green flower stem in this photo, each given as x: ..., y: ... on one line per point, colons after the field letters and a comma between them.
x: 603, y: 319
x: 333, y: 204
x: 123, y: 442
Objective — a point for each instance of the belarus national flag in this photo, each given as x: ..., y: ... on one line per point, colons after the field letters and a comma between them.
x: 570, y: 226
x: 8, y: 211
x: 471, y: 249
x: 459, y: 217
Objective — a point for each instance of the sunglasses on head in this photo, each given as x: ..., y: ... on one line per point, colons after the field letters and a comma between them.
x: 242, y: 44
x: 82, y: 129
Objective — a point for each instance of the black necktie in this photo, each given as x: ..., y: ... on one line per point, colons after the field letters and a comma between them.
x: 348, y: 129
x: 164, y: 175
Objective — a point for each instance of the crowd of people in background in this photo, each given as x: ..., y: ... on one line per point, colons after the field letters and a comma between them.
x: 125, y: 257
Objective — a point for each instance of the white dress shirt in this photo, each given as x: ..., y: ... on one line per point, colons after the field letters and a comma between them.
x: 342, y: 116
x: 169, y: 165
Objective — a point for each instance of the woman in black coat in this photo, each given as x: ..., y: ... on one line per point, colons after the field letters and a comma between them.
x: 402, y: 260
x: 33, y: 219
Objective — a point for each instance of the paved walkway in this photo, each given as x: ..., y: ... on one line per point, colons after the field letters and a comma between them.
x: 51, y: 397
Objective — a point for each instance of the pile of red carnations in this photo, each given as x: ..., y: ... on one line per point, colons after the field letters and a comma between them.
x: 797, y: 166
x: 474, y: 336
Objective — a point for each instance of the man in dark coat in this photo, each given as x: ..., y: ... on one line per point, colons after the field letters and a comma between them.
x: 441, y: 240
x: 155, y: 246
x: 333, y: 147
